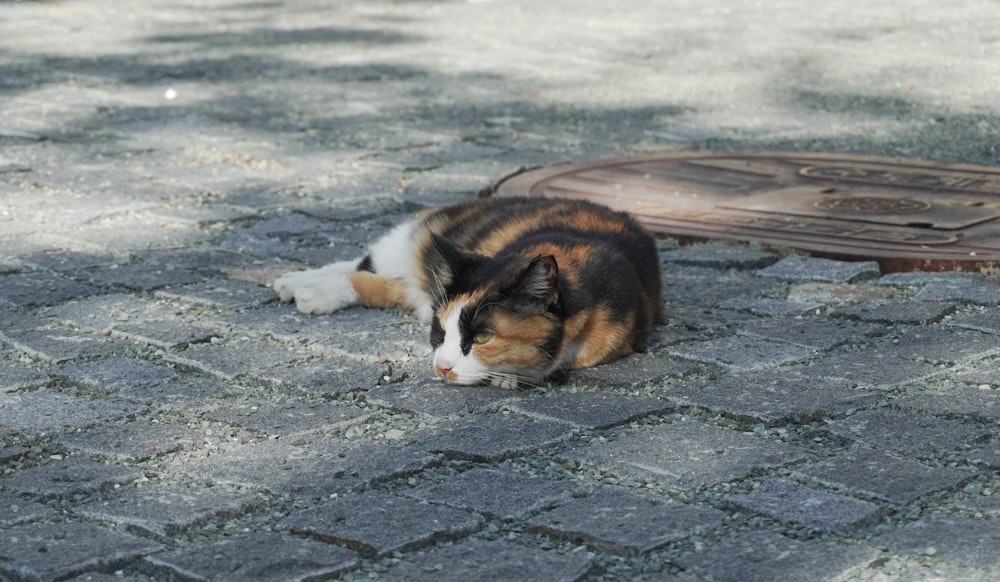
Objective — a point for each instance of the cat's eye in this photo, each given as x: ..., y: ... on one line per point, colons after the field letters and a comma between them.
x: 482, y: 337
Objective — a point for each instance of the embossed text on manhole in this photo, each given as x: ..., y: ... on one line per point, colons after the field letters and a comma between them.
x: 908, y: 215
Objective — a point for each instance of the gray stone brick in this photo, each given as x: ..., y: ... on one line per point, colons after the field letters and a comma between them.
x: 142, y: 277
x: 14, y: 377
x: 920, y: 278
x: 131, y: 442
x: 962, y: 400
x: 773, y: 397
x: 964, y: 542
x: 185, y: 393
x: 617, y: 521
x: 168, y: 335
x: 591, y: 410
x: 165, y: 510
x: 227, y: 361
x: 115, y: 374
x: 62, y: 345
x: 497, y: 494
x: 771, y: 307
x: 901, y: 432
x: 986, y: 321
x: 103, y: 312
x: 818, y: 510
x: 285, y: 227
x: 490, y: 438
x: 56, y: 551
x: 943, y: 345
x: 66, y: 478
x: 974, y: 291
x: 988, y: 374
x: 765, y: 557
x: 203, y: 259
x: 801, y: 268
x: 259, y: 557
x: 685, y: 286
x: 883, y: 477
x: 329, y: 377
x: 635, y: 371
x: 376, y: 524
x: 720, y: 256
x: 309, y: 466
x: 872, y: 368
x: 897, y: 311
x: 686, y: 455
x: 437, y: 399
x: 276, y: 419
x: 32, y: 289
x: 14, y: 511
x: 221, y: 294
x: 490, y: 560
x: 39, y: 413
x: 69, y: 261
x: 987, y: 455
x: 985, y: 504
x: 742, y: 353
x: 813, y: 334
x: 287, y: 324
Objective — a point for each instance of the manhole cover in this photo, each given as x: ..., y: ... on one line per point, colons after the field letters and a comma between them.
x: 907, y: 215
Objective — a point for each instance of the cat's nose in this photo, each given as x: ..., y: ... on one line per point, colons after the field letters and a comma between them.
x: 443, y: 368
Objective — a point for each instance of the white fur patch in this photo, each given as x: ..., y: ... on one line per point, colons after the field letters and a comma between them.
x: 394, y: 256
x: 466, y: 368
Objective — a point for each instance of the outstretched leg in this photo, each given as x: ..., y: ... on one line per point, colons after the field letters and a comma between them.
x: 376, y: 280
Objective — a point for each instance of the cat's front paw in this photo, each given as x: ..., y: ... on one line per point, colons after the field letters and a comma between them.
x: 317, y: 292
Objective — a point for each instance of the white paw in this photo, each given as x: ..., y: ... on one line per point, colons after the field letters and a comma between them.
x: 317, y: 291
x: 286, y: 285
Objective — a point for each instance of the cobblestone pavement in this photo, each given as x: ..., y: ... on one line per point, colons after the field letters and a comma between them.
x: 161, y: 416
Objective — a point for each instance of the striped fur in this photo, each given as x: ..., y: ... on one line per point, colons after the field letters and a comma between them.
x: 515, y: 289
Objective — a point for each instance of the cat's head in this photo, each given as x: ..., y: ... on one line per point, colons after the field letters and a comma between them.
x: 496, y: 319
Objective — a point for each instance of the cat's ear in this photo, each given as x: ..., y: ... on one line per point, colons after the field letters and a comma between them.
x: 444, y: 265
x: 539, y: 284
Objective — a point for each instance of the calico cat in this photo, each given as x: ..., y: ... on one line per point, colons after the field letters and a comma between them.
x: 515, y: 289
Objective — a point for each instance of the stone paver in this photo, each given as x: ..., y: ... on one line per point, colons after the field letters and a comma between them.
x: 913, y: 434
x: 789, y: 501
x: 623, y: 522
x: 742, y: 354
x: 55, y: 551
x: 799, y: 268
x: 774, y: 398
x: 375, y: 524
x: 686, y: 455
x: 42, y: 412
x: 14, y: 377
x: 167, y: 511
x: 490, y: 560
x: 498, y: 494
x: 766, y: 556
x: 592, y: 410
x: 882, y: 476
x: 491, y: 438
x: 161, y: 163
x: 963, y: 542
x: 68, y: 477
x: 258, y: 557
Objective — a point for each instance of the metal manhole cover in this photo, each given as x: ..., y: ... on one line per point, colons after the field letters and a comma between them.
x: 907, y: 215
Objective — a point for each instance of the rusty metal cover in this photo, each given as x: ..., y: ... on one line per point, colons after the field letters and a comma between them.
x: 907, y: 215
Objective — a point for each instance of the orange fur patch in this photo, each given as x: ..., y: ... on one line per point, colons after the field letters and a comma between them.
x: 379, y: 292
x: 516, y: 342
x: 599, y: 338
